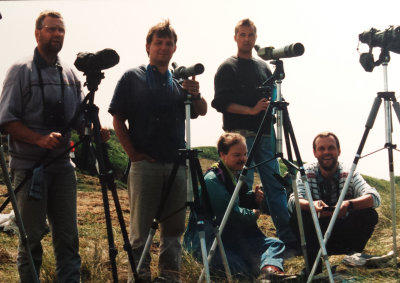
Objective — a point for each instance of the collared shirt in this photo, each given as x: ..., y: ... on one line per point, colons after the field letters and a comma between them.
x: 156, y: 116
x: 22, y: 100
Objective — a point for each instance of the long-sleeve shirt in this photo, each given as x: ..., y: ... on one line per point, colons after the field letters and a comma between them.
x: 358, y: 186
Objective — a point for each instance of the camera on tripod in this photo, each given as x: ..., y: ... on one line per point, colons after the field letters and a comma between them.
x: 387, y: 40
x: 95, y: 62
x: 91, y: 65
x: 181, y: 72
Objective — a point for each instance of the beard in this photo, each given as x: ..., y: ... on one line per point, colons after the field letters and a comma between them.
x: 52, y: 45
x: 328, y: 165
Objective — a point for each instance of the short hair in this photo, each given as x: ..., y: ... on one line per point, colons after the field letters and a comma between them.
x: 245, y: 22
x: 163, y: 29
x: 44, y: 14
x: 227, y: 140
x: 325, y: 135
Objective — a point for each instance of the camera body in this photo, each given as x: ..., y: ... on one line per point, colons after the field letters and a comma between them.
x: 388, y: 39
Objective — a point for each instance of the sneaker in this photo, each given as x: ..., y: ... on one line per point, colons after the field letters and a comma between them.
x: 269, y: 273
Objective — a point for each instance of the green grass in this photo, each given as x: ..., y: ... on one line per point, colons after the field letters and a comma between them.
x: 94, y: 243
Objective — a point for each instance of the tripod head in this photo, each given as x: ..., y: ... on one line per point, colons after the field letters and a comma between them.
x: 279, y: 73
x: 91, y: 65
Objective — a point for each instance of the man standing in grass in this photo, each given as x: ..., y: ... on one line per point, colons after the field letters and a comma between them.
x: 152, y: 102
x: 40, y: 96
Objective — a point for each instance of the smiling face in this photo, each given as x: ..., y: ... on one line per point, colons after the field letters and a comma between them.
x: 50, y: 37
x: 327, y: 153
x: 160, y: 50
x: 236, y: 156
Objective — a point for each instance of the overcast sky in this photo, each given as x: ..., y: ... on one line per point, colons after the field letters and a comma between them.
x: 326, y: 87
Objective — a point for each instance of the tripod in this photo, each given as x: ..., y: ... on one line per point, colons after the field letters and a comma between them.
x: 389, y: 102
x: 283, y: 121
x: 18, y: 218
x: 105, y: 173
x: 193, y: 198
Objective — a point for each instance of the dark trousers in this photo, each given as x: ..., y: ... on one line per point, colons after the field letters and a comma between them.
x: 350, y: 233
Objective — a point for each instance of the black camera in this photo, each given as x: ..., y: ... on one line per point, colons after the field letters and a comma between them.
x: 92, y: 62
x: 181, y: 72
x: 387, y: 40
x: 55, y: 115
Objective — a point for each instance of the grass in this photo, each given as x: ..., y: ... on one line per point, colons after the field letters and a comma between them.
x: 94, y: 244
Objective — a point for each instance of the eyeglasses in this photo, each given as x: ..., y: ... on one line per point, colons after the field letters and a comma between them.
x: 50, y: 29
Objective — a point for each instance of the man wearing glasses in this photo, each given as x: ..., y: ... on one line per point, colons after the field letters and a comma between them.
x: 40, y: 96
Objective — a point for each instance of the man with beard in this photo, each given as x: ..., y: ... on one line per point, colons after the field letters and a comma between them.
x: 40, y: 96
x: 250, y: 253
x: 357, y: 216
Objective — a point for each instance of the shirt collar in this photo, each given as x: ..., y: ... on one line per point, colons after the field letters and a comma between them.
x: 321, y: 178
x: 41, y: 63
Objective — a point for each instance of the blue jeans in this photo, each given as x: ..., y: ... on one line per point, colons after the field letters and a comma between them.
x: 274, y: 192
x: 249, y: 255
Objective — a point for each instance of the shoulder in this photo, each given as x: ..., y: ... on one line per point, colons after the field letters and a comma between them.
x: 229, y: 64
x: 311, y: 169
x: 214, y: 175
x: 344, y: 171
x: 21, y: 69
x: 138, y: 72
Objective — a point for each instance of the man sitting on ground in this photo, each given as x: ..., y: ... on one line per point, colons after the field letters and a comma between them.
x: 250, y: 253
x: 357, y: 216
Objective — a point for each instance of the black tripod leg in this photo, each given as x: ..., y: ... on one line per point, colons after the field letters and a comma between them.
x: 23, y: 237
x: 154, y: 226
x: 106, y: 181
x: 291, y: 139
x: 207, y: 214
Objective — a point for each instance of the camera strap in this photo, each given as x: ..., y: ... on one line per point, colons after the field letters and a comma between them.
x: 41, y: 85
x: 151, y: 81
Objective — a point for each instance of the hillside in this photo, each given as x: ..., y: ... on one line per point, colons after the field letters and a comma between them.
x: 94, y: 245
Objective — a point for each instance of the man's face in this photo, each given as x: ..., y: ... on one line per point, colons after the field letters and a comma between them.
x: 326, y: 152
x: 50, y: 37
x: 236, y: 157
x: 245, y: 39
x: 160, y: 50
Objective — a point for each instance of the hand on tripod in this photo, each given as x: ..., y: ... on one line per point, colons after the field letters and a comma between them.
x: 192, y: 86
x: 104, y: 134
x: 261, y: 105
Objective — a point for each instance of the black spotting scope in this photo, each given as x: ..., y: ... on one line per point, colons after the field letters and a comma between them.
x: 270, y: 53
x: 92, y: 62
x: 184, y: 73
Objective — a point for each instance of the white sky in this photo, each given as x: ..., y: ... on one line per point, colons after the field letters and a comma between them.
x: 326, y: 87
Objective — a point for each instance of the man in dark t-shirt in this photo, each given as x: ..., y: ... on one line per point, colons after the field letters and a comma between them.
x: 243, y: 103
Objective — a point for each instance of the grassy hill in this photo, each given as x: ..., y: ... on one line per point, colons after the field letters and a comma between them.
x: 94, y: 245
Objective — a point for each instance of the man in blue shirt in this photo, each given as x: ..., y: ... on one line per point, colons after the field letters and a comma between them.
x: 152, y: 102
